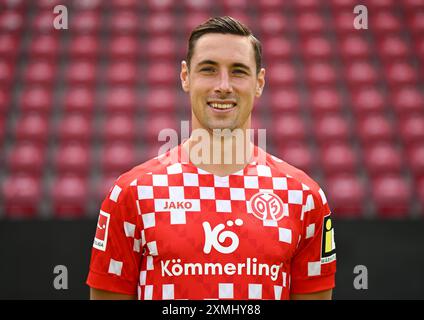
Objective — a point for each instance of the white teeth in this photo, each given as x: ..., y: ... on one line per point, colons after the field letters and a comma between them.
x: 221, y: 105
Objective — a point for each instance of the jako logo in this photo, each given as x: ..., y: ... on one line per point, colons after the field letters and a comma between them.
x: 214, y: 237
x: 178, y: 205
x: 268, y: 206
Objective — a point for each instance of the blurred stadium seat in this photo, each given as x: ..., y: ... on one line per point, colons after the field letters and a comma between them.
x: 78, y: 108
x: 346, y: 193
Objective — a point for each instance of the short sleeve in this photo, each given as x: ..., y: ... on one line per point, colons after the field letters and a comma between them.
x: 117, y: 246
x: 313, y: 266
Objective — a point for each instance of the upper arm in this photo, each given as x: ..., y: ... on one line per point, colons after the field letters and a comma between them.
x: 322, y: 295
x: 96, y: 294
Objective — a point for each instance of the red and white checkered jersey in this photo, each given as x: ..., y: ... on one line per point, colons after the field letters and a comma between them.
x: 169, y: 230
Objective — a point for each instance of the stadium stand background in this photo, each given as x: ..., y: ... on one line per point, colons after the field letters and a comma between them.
x: 80, y: 106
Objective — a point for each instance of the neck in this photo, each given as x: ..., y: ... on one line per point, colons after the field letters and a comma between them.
x: 221, y: 152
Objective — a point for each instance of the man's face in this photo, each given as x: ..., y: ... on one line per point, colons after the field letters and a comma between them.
x: 222, y: 81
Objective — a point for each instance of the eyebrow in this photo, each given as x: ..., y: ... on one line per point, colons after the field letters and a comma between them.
x: 214, y: 63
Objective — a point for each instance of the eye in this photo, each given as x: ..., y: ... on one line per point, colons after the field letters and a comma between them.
x: 240, y: 71
x: 207, y: 69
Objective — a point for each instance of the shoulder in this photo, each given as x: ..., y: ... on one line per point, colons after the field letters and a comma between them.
x: 301, y: 179
x: 125, y: 186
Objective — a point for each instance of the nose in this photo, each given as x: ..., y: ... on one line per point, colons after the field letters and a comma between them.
x: 223, y: 84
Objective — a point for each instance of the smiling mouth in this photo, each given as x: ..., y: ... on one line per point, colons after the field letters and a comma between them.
x: 222, y: 106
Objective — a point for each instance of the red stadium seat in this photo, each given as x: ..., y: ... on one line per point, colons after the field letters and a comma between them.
x: 85, y: 22
x: 118, y: 158
x: 163, y: 5
x: 288, y: 129
x: 75, y: 128
x: 354, y: 47
x: 73, y: 158
x: 87, y: 5
x: 37, y: 99
x: 26, y: 158
x: 278, y: 49
x: 125, y: 23
x: 307, y: 5
x: 160, y: 23
x: 407, y: 101
x: 401, y: 73
x: 285, y: 100
x: 317, y: 48
x: 122, y: 73
x: 367, y: 101
x: 4, y: 101
x: 124, y: 47
x: 236, y: 5
x: 14, y: 5
x: 298, y: 155
x: 197, y: 5
x: 419, y: 48
x: 393, y: 48
x: 309, y: 23
x: 338, y: 158
x: 272, y: 24
x: 412, y: 5
x: 154, y: 125
x: 162, y: 74
x: 84, y: 47
x: 416, y: 22
x: 161, y: 47
x: 392, y: 196
x: 324, y: 101
x: 69, y: 196
x: 361, y: 73
x: 343, y: 21
x: 331, y: 128
x: 81, y: 72
x: 416, y: 159
x: 40, y: 72
x: 412, y: 129
x: 21, y: 196
x: 44, y: 46
x: 382, y: 158
x: 342, y: 5
x: 149, y: 151
x: 377, y: 5
x: 160, y: 100
x: 269, y: 5
x: 121, y: 99
x: 6, y: 73
x: 43, y: 22
x: 104, y: 186
x: 346, y: 194
x: 193, y: 20
x: 33, y: 128
x: 47, y: 5
x: 375, y: 128
x: 385, y: 22
x: 80, y: 100
x: 9, y: 45
x: 282, y: 74
x: 11, y: 22
x: 321, y: 74
x: 118, y: 5
x: 119, y: 128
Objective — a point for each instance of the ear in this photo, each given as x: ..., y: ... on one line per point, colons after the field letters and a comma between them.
x: 184, y: 76
x: 260, y: 83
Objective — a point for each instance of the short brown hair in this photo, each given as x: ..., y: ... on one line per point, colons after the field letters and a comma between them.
x: 224, y: 25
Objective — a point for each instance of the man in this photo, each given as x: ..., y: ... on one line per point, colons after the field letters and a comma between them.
x: 182, y: 226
